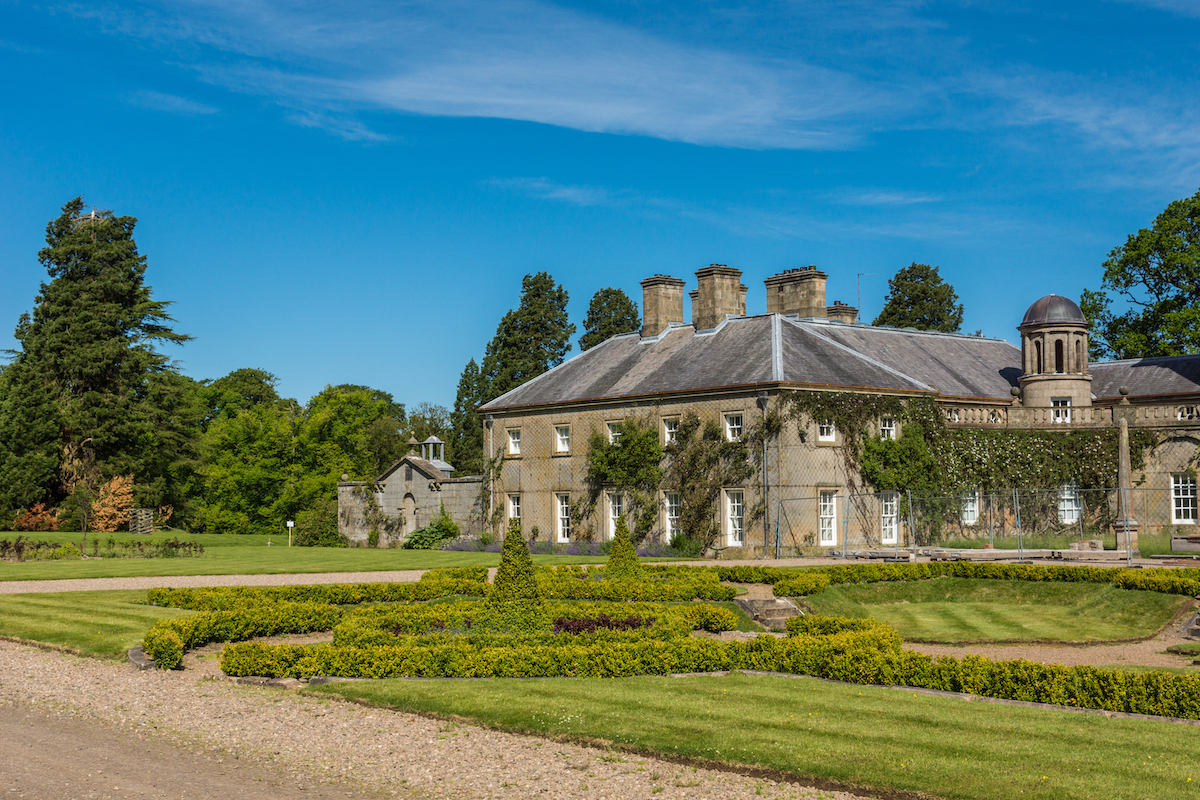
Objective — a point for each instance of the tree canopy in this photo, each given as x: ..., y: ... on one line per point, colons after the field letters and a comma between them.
x: 1156, y: 273
x: 610, y: 313
x: 919, y: 298
x: 530, y: 339
x: 88, y: 396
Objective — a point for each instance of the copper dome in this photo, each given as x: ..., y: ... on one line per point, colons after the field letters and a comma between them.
x: 1053, y: 310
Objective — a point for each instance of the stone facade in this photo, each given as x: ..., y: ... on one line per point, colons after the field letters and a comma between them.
x: 728, y: 368
x: 407, y: 497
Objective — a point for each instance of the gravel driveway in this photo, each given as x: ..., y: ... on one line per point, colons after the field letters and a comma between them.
x: 170, y: 734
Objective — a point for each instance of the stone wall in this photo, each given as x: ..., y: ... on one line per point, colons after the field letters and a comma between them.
x: 404, y: 501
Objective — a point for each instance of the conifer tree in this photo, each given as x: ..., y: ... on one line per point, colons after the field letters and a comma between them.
x: 610, y: 313
x: 623, y: 559
x: 77, y: 405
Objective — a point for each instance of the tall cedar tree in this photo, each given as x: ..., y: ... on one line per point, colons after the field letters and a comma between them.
x: 529, y: 340
x: 87, y: 397
x: 610, y: 313
x: 466, y: 428
x: 919, y: 298
x: 1157, y: 273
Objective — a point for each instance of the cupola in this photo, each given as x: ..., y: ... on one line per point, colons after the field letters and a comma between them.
x: 1054, y: 355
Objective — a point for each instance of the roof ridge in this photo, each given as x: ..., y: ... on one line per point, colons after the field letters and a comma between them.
x: 801, y: 326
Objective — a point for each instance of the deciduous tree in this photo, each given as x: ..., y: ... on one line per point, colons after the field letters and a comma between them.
x: 919, y: 298
x: 1156, y: 273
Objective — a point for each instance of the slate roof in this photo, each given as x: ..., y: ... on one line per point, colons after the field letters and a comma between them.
x: 1146, y: 377
x: 770, y: 349
x: 426, y: 467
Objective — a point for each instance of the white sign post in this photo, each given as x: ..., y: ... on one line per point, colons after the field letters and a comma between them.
x: 290, y: 525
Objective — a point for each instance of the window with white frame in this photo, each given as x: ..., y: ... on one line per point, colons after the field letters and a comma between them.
x: 614, y: 432
x: 670, y: 430
x: 514, y: 441
x: 562, y: 438
x: 887, y: 428
x: 969, y: 510
x: 514, y: 507
x: 1060, y: 409
x: 827, y: 533
x: 616, y: 507
x: 735, y: 507
x: 733, y: 427
x: 1069, y: 503
x: 1183, y: 499
x: 673, y: 505
x: 563, y: 502
x: 826, y: 431
x: 889, y: 518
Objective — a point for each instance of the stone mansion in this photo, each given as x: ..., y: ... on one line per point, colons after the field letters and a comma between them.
x: 730, y: 368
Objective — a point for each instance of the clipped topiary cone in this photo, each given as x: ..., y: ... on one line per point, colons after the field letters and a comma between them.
x: 514, y: 579
x: 623, y: 561
x: 514, y: 604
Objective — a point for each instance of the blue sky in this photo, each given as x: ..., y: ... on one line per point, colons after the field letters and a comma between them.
x: 351, y: 192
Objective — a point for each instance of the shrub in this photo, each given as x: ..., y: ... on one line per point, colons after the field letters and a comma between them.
x: 37, y: 519
x: 514, y: 604
x: 622, y: 558
x: 319, y: 527
x: 801, y: 585
x: 433, y: 535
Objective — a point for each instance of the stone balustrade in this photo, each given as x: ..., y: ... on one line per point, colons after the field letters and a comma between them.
x: 1175, y: 415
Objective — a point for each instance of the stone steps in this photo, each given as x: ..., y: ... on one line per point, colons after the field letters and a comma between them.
x: 772, y: 613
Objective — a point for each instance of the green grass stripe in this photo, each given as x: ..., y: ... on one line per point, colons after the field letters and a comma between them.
x: 879, y: 739
x: 104, y: 624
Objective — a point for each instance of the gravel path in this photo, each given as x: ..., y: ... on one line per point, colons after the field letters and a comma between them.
x: 289, y: 739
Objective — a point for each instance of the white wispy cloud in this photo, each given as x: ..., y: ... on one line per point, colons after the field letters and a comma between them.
x: 1156, y: 136
x: 549, y: 190
x: 1184, y: 8
x: 514, y: 59
x: 172, y: 104
x: 884, y: 197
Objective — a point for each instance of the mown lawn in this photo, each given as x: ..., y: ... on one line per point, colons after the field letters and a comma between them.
x: 249, y: 555
x: 104, y: 624
x: 956, y: 610
x: 860, y: 736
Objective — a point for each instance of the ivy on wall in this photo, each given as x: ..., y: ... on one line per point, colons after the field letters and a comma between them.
x: 630, y: 465
x: 928, y: 455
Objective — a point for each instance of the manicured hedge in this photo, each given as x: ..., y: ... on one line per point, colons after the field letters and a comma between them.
x: 1154, y: 579
x: 591, y: 583
x: 871, y: 655
x: 168, y: 639
x: 382, y: 626
x: 433, y: 584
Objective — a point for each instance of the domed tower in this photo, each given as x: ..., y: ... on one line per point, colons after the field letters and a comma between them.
x: 1054, y: 355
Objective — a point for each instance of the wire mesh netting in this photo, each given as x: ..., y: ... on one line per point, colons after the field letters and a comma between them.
x: 1003, y: 519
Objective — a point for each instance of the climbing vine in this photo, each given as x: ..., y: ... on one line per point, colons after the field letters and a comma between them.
x: 630, y: 464
x: 929, y: 455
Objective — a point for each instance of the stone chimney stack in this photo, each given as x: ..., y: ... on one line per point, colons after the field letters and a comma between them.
x: 719, y: 293
x: 694, y: 296
x: 797, y: 291
x: 840, y: 312
x: 662, y: 303
x: 742, y: 289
